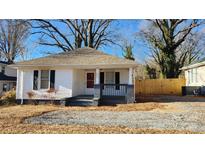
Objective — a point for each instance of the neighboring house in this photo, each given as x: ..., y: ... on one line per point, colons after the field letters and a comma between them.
x: 84, y: 73
x: 7, y: 77
x: 195, y: 78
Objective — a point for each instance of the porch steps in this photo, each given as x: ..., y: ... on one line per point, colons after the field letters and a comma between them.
x: 80, y: 101
x: 88, y: 100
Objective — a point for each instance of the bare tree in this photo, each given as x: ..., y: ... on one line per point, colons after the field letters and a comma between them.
x: 13, y: 34
x: 172, y: 43
x: 71, y: 34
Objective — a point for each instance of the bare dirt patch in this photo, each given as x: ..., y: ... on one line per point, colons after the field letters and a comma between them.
x: 169, y: 99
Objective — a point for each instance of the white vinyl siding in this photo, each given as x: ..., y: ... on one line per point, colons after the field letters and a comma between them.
x: 196, y: 75
x: 63, y: 85
x: 189, y: 76
x: 193, y: 76
x: 68, y: 82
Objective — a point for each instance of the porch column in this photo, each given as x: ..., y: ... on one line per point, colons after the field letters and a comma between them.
x: 130, y: 95
x: 97, y: 76
x: 130, y: 76
x: 97, y: 91
x: 22, y: 85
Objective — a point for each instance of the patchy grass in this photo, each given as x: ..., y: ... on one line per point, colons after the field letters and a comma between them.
x: 12, y: 117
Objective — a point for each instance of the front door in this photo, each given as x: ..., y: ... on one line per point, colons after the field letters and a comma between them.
x: 90, y: 80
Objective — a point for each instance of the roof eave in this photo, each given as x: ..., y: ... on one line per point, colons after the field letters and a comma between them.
x: 78, y: 66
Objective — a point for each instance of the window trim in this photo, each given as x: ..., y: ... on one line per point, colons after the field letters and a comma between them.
x: 114, y: 71
x: 39, y: 79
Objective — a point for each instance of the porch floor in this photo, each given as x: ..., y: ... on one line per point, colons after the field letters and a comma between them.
x: 83, y: 97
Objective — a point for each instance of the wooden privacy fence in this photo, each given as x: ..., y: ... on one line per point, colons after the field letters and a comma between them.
x: 159, y: 86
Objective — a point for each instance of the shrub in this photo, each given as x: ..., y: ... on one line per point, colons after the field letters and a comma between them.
x: 8, y: 98
x: 31, y: 94
x: 51, y: 90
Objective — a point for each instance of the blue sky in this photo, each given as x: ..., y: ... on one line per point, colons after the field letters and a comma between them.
x: 126, y: 28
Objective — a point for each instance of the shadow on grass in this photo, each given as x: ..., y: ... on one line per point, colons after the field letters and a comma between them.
x: 168, y: 98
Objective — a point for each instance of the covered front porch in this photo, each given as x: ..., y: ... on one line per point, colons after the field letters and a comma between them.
x: 102, y: 86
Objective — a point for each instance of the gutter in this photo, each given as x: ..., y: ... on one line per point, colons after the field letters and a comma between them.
x: 193, y: 66
x: 77, y: 66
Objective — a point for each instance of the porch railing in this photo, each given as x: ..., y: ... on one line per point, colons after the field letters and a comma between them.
x: 113, y: 89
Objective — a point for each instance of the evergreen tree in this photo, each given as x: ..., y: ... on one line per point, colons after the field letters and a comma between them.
x: 128, y: 52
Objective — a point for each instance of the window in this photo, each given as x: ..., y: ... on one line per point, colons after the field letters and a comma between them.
x: 44, y: 79
x: 13, y: 85
x: 5, y: 87
x: 35, y: 79
x: 3, y: 69
x: 110, y: 78
x: 90, y: 80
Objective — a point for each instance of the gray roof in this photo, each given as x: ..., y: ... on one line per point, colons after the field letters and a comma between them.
x: 4, y: 77
x: 78, y: 57
x: 3, y: 62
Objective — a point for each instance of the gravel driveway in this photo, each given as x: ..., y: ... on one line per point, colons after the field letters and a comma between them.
x: 191, y: 118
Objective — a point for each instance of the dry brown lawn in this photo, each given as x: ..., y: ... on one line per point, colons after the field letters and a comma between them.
x: 12, y: 118
x: 124, y: 107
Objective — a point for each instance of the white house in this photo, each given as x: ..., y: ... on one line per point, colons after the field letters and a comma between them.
x: 7, y: 77
x: 195, y: 77
x: 81, y: 72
